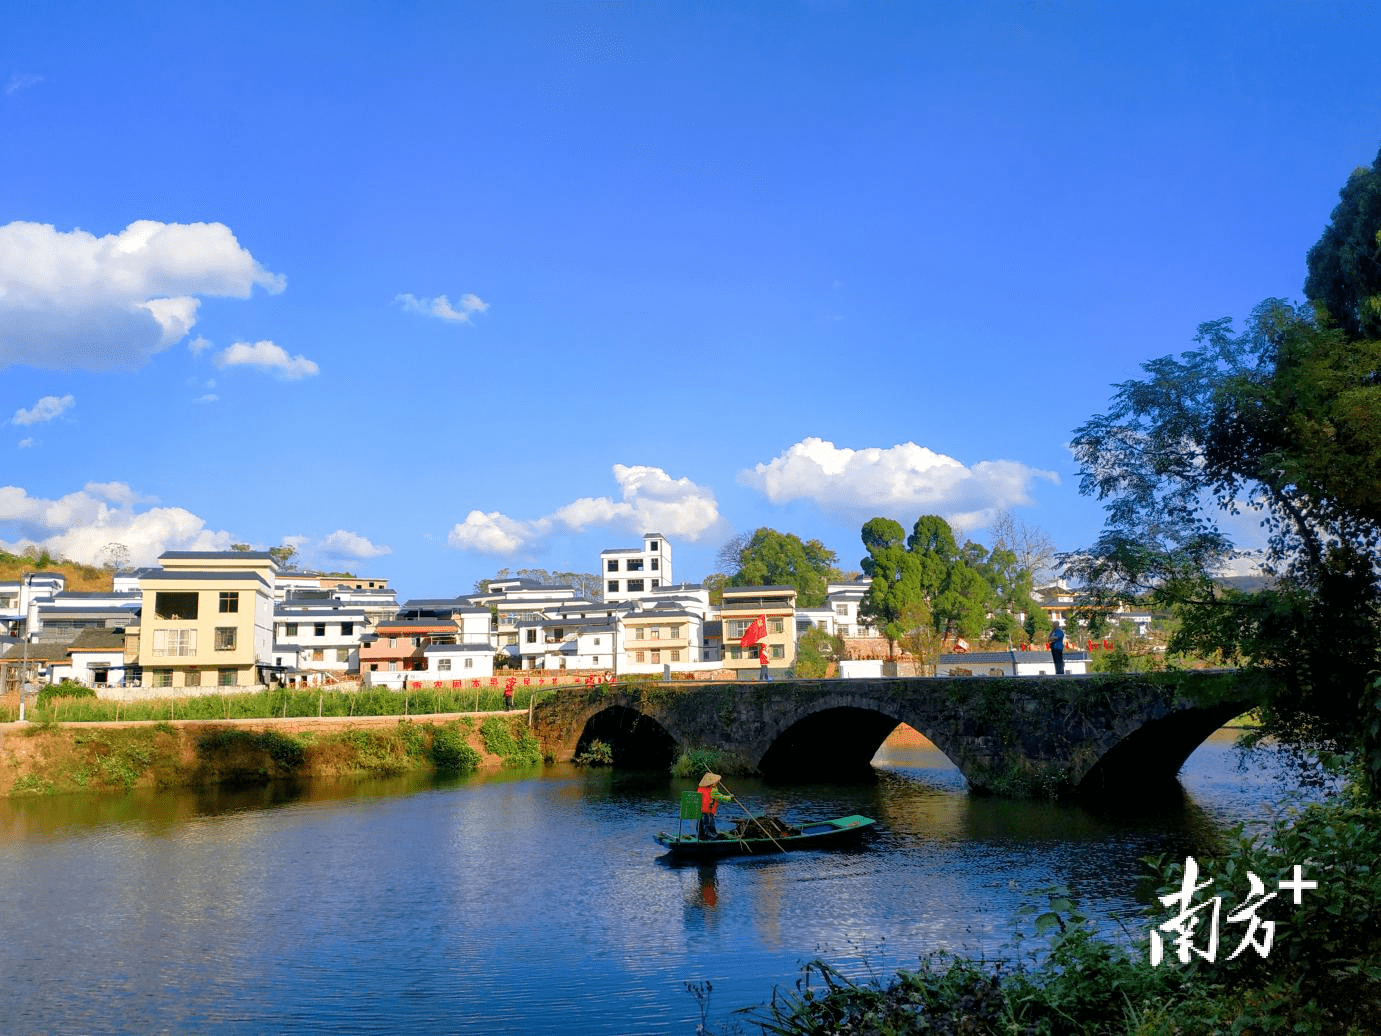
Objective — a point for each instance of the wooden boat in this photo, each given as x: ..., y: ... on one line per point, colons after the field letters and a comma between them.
x: 818, y: 834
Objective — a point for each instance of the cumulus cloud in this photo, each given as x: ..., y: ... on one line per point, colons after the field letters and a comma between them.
x: 267, y: 356
x: 45, y: 409
x: 441, y: 307
x: 649, y: 499
x: 906, y: 480
x: 349, y: 546
x: 69, y: 299
x: 79, y: 525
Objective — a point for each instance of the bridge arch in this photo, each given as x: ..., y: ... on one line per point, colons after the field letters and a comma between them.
x: 636, y: 740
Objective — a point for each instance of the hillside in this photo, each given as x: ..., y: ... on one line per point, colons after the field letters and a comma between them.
x: 14, y: 567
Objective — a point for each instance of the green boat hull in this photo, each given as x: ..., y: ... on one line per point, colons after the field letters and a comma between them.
x: 819, y: 834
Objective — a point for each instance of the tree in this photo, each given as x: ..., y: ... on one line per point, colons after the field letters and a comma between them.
x: 815, y: 651
x: 1283, y: 421
x: 894, y: 576
x: 1345, y: 265
x: 1030, y: 545
x: 285, y: 555
x: 772, y: 558
x: 115, y: 556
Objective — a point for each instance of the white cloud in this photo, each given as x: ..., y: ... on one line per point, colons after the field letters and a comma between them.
x: 45, y: 409
x: 650, y: 499
x: 903, y: 481
x: 79, y: 525
x: 69, y: 299
x: 269, y: 357
x: 209, y: 397
x: 349, y: 546
x: 441, y: 307
x: 199, y: 344
x: 24, y: 444
x: 21, y: 81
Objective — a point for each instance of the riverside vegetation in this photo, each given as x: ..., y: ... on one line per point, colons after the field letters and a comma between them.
x: 49, y: 757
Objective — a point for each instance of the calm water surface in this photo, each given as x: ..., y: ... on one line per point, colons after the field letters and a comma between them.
x: 526, y: 903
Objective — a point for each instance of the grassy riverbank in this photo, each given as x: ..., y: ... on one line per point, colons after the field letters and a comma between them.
x: 53, y: 758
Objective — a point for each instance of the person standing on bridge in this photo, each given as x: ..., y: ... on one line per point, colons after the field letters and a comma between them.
x: 710, y: 798
x: 1057, y: 649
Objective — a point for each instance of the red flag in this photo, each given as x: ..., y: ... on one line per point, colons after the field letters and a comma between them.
x: 755, y: 632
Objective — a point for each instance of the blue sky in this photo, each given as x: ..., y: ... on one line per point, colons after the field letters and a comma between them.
x: 431, y: 290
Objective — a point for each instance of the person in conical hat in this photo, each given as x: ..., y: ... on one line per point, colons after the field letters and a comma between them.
x: 710, y: 798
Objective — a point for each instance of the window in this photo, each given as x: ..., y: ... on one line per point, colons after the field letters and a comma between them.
x: 613, y: 565
x: 532, y: 636
x: 776, y: 624
x: 654, y: 564
x: 230, y: 601
x: 191, y: 678
x: 318, y: 655
x: 651, y: 544
x: 469, y: 663
x: 347, y: 629
x: 735, y: 651
x: 289, y: 629
x: 638, y: 656
x: 635, y: 586
x: 674, y: 632
x: 225, y: 638
x: 417, y: 641
x: 318, y: 629
x: 656, y: 583
x: 596, y: 642
x: 634, y: 565
x: 676, y: 654
x: 342, y: 654
x: 443, y: 665
x: 169, y: 604
x: 734, y: 629
x: 778, y: 651
x: 161, y: 678
x: 393, y: 642
x: 654, y: 632
x: 174, y: 642
x: 637, y: 633
x: 841, y: 609
x: 227, y: 677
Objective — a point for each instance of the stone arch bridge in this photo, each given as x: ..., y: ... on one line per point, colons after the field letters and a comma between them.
x: 1049, y: 737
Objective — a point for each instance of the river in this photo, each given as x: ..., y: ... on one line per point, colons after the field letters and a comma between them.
x: 528, y: 903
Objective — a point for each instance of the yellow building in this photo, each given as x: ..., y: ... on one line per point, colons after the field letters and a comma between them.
x: 207, y: 619
x: 739, y: 606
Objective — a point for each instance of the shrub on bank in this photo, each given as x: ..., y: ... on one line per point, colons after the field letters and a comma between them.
x: 1321, y: 976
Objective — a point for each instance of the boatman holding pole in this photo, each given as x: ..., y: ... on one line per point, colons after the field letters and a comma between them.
x: 710, y: 798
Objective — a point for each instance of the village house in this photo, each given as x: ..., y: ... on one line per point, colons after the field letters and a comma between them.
x: 206, y: 620
x: 739, y: 607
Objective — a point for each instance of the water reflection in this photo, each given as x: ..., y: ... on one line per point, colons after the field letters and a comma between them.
x: 509, y: 902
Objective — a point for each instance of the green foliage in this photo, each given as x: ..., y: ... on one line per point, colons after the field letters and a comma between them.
x: 65, y: 689
x: 510, y: 739
x: 598, y: 754
x: 1345, y: 265
x: 815, y: 651
x: 285, y: 751
x: 694, y: 763
x: 1284, y: 419
x: 451, y: 753
x: 929, y: 588
x: 771, y: 558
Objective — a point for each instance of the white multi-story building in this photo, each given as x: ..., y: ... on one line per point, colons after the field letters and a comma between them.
x: 317, y: 637
x: 632, y: 572
x: 20, y: 599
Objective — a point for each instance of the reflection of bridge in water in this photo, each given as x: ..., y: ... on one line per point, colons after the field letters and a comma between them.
x: 1051, y: 736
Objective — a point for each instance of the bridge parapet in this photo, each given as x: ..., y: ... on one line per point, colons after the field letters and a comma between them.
x: 1024, y: 736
